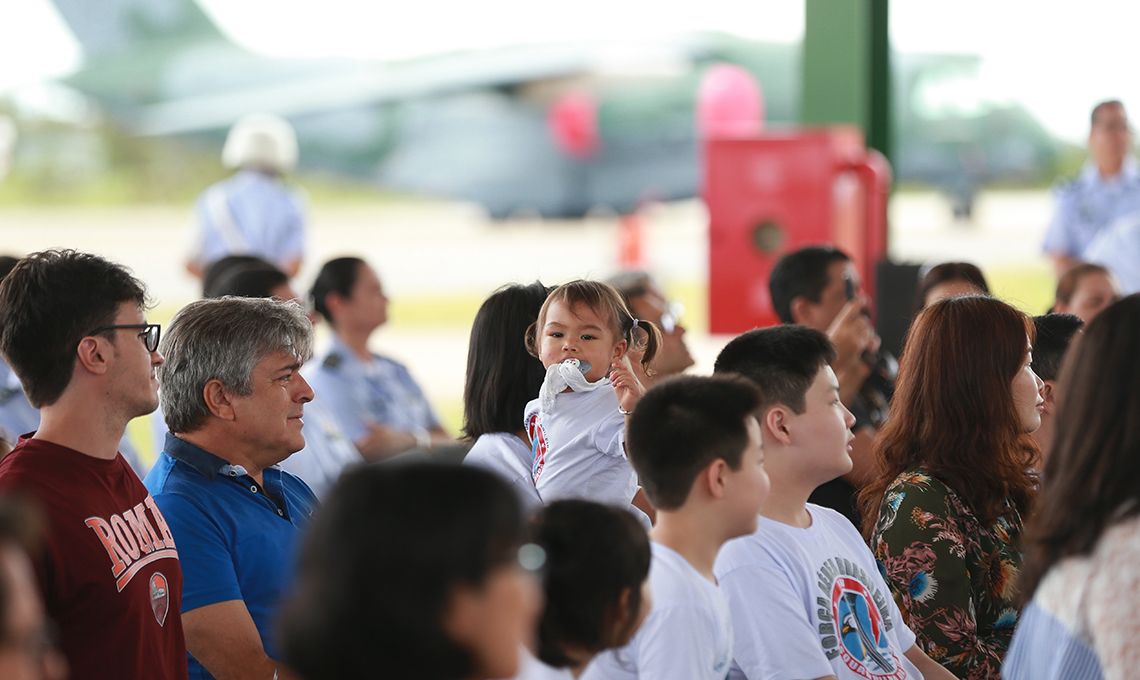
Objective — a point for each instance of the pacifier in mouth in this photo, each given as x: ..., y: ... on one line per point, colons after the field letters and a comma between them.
x: 582, y: 366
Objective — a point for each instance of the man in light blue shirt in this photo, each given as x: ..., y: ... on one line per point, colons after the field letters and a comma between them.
x: 1107, y: 188
x: 254, y: 212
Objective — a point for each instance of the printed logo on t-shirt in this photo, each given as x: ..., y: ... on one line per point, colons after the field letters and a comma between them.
x: 538, y: 446
x: 854, y: 620
x: 159, y: 597
x: 131, y: 541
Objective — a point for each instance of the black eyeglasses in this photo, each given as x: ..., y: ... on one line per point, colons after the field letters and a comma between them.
x: 150, y: 333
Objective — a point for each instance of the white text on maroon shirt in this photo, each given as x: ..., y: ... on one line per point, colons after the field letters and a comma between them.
x: 131, y: 541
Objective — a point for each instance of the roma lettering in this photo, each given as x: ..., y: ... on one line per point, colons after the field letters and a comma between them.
x: 131, y: 541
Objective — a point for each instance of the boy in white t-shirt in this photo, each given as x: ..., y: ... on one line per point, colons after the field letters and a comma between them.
x: 806, y: 596
x: 695, y: 445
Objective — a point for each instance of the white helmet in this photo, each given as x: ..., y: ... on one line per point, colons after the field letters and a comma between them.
x: 261, y: 140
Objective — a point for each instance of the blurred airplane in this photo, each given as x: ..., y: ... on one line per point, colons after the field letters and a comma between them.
x: 483, y: 126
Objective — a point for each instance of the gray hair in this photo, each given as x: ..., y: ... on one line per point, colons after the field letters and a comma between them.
x: 631, y: 284
x: 224, y: 339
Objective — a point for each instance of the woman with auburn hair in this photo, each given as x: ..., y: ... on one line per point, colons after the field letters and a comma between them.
x: 944, y: 516
x: 1083, y: 542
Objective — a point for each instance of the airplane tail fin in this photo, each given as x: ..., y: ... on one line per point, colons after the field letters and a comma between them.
x: 108, y: 28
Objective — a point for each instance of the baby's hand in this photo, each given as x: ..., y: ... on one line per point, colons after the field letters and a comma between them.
x: 626, y: 385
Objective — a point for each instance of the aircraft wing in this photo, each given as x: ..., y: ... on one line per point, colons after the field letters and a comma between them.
x: 347, y: 85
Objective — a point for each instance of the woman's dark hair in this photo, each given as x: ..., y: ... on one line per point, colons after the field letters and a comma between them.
x: 337, y: 276
x: 948, y: 271
x: 379, y: 564
x: 1090, y: 478
x: 256, y: 280
x: 502, y: 376
x: 594, y: 554
x: 223, y: 266
x: 954, y: 412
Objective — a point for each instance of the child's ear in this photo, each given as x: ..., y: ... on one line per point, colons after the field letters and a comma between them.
x: 619, y: 350
x: 778, y: 422
x: 713, y: 478
x: 1047, y: 391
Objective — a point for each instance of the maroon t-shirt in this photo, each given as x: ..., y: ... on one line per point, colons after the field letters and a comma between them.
x: 109, y: 574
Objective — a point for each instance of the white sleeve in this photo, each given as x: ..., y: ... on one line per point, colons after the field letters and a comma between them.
x: 677, y: 642
x: 609, y: 436
x: 1111, y: 599
x: 773, y: 633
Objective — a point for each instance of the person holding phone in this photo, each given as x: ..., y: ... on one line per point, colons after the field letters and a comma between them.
x: 819, y: 287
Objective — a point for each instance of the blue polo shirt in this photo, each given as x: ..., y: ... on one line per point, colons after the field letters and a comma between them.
x: 236, y: 539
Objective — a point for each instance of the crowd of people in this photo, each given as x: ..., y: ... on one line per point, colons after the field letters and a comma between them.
x: 814, y: 509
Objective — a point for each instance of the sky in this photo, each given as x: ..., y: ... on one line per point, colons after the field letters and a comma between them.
x: 1057, y: 64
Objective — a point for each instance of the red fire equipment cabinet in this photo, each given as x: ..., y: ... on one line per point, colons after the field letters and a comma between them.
x: 776, y: 193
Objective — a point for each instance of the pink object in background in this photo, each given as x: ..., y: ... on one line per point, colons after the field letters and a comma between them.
x: 574, y: 124
x: 729, y: 103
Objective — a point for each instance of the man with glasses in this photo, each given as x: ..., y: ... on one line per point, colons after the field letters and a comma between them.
x: 72, y: 327
x: 1107, y: 188
x: 18, y: 416
x: 648, y: 303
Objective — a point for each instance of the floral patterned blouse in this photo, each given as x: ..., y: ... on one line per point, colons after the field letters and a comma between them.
x: 955, y: 579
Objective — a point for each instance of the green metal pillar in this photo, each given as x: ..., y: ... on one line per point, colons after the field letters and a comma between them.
x: 846, y: 67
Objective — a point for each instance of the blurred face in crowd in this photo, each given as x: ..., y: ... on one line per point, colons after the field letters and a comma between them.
x: 749, y: 484
x: 1094, y: 292
x: 673, y: 355
x: 1110, y: 138
x: 495, y: 619
x: 949, y: 289
x: 25, y: 653
x: 366, y: 306
x: 819, y: 315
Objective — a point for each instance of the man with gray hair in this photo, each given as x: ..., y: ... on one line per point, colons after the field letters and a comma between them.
x: 233, y: 398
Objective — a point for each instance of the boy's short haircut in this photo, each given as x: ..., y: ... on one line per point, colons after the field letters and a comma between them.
x: 681, y: 426
x: 48, y: 303
x: 801, y: 274
x: 1054, y: 333
x: 782, y: 361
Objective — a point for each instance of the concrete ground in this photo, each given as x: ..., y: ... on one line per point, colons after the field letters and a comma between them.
x: 438, y: 261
